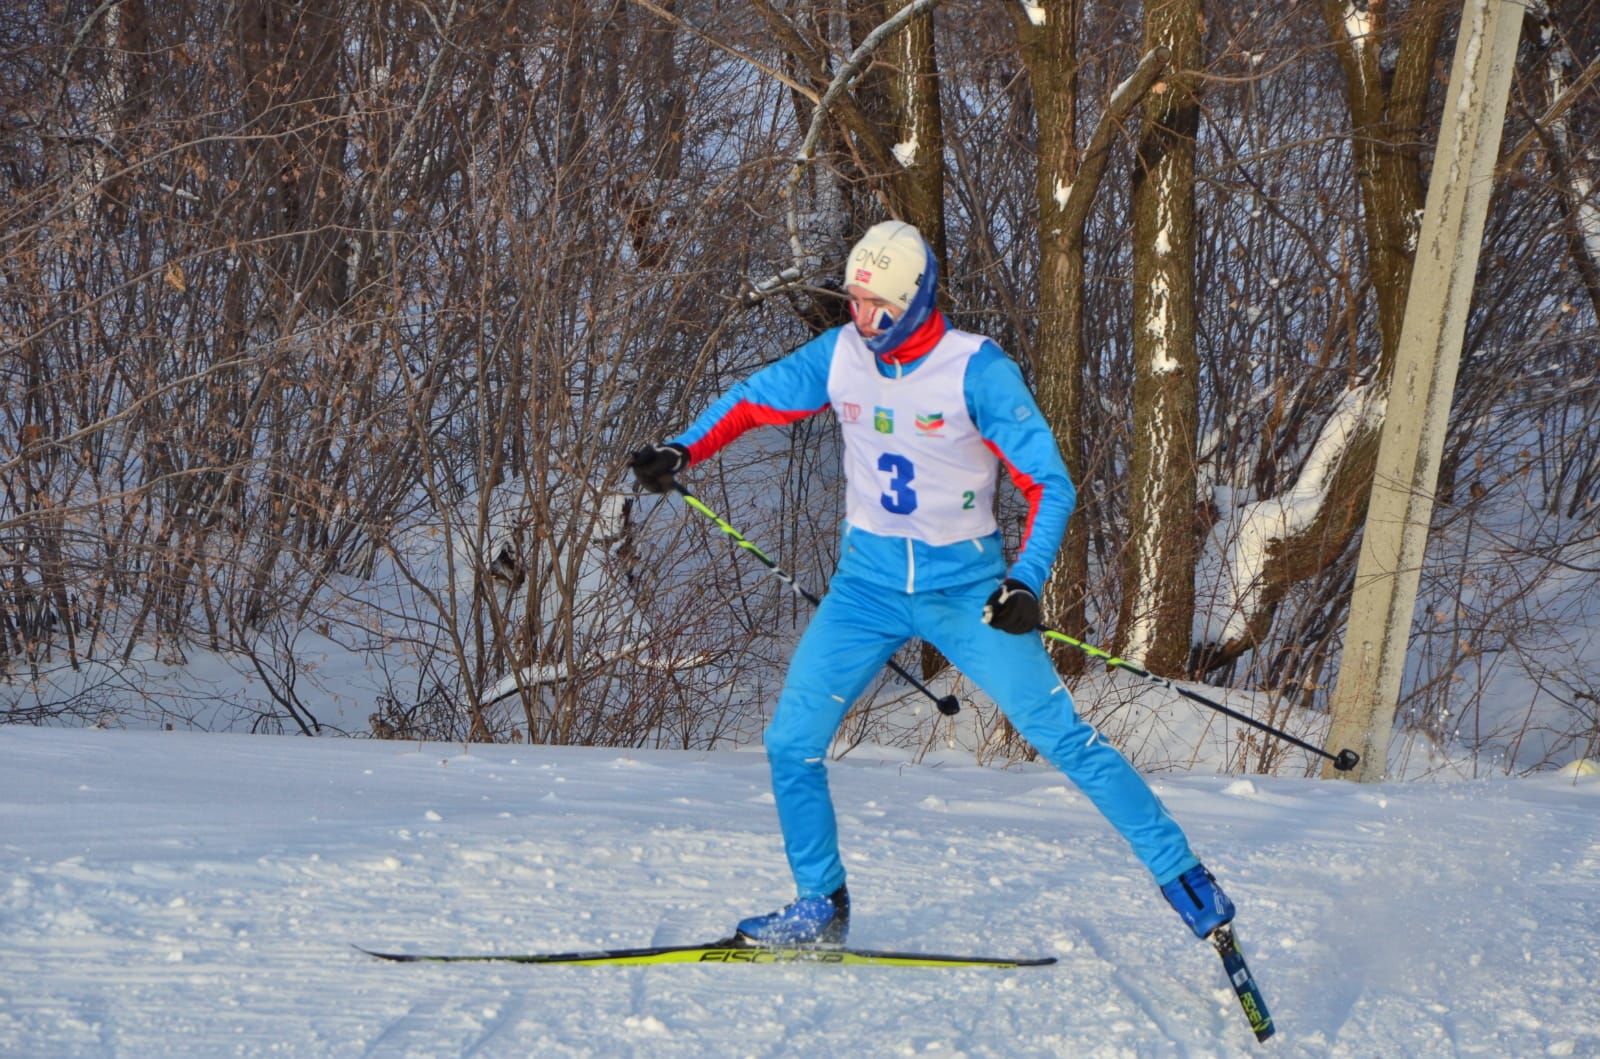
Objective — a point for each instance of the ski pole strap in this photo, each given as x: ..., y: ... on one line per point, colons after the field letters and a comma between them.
x: 1344, y: 761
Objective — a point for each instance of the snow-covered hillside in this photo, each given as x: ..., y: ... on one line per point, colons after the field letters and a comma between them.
x: 184, y: 894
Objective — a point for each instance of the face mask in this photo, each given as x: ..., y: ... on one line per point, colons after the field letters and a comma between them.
x: 877, y: 319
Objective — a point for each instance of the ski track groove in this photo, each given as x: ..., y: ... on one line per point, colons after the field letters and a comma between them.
x: 397, y: 1027
x: 508, y: 1016
x: 1137, y: 988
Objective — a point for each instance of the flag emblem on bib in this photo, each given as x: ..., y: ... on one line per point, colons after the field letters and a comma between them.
x: 931, y: 423
x: 883, y: 419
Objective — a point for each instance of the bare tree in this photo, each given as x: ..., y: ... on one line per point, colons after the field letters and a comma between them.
x: 327, y: 328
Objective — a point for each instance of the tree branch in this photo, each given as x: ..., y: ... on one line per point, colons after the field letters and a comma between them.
x: 1124, y: 98
x: 841, y: 81
x: 683, y: 23
x: 1562, y: 104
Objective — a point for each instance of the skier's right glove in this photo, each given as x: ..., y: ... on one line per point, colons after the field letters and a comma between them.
x: 654, y: 465
x: 1012, y: 608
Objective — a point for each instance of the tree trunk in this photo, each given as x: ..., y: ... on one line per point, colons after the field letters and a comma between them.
x: 1159, y: 561
x: 288, y: 55
x: 1387, y: 108
x: 1049, y: 49
x: 900, y: 93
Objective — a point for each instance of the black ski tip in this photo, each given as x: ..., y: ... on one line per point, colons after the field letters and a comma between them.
x: 395, y: 957
x: 1347, y: 760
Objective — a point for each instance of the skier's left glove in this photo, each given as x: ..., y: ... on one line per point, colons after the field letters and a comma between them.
x: 1012, y: 608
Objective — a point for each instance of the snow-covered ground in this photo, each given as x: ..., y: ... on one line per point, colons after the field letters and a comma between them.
x: 190, y: 894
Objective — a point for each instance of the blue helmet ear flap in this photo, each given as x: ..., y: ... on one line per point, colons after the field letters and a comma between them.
x: 916, y: 314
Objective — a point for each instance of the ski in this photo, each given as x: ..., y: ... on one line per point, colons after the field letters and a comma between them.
x: 1243, y: 982
x: 727, y: 950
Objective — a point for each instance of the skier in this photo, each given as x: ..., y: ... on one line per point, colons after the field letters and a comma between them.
x: 928, y: 414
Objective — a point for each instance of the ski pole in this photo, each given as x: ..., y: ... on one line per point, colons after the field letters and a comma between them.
x: 1344, y: 761
x: 948, y: 705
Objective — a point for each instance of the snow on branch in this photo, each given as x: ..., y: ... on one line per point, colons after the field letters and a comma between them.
x: 1075, y: 199
x: 1232, y: 572
x: 560, y: 672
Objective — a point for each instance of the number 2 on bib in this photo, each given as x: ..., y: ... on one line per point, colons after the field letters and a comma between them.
x: 901, y: 499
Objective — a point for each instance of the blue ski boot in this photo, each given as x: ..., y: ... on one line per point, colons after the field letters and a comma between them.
x: 1196, y: 897
x: 807, y: 921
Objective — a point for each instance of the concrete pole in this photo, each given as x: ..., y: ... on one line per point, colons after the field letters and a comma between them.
x: 1418, y: 408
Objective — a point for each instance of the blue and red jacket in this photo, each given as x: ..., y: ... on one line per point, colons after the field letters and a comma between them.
x: 1000, y: 406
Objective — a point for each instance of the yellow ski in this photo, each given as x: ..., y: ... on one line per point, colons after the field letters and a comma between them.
x: 728, y: 951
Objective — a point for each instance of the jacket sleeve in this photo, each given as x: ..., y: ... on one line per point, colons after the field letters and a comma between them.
x: 1011, y: 425
x: 782, y: 392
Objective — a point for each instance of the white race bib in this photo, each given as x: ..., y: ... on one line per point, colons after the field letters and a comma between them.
x: 914, y: 463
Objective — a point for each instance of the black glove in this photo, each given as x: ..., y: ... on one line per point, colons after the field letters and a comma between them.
x: 1012, y: 608
x: 654, y: 465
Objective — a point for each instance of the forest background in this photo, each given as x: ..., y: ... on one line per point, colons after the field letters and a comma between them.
x: 326, y: 329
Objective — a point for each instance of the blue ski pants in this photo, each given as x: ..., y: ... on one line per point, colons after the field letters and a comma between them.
x: 853, y: 634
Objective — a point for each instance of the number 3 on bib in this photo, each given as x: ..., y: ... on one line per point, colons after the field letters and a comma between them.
x: 901, y: 499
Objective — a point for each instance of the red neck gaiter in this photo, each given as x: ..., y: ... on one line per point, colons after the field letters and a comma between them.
x: 919, y: 342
